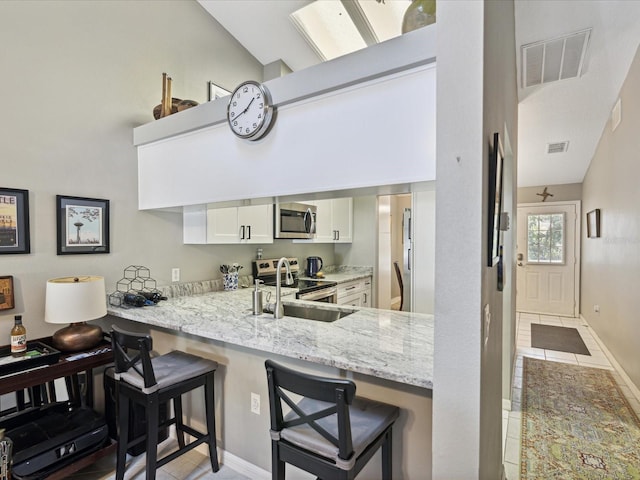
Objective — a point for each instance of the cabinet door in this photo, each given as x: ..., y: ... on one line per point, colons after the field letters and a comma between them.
x: 257, y: 221
x: 342, y: 219
x: 222, y: 225
x: 324, y: 223
x: 354, y: 300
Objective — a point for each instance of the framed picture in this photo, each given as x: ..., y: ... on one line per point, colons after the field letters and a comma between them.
x: 593, y: 223
x: 494, y: 211
x: 14, y: 221
x: 83, y: 225
x: 6, y: 293
x: 217, y: 92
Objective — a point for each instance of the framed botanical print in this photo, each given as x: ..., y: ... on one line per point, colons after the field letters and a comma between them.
x: 83, y: 225
x: 14, y: 221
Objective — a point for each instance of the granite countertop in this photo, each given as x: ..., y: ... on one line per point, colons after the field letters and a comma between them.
x: 343, y: 273
x: 386, y: 344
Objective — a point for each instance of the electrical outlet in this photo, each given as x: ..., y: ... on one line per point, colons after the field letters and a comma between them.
x: 596, y: 308
x: 255, y: 403
x: 175, y: 274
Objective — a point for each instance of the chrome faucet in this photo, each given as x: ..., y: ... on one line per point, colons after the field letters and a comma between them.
x: 278, y: 311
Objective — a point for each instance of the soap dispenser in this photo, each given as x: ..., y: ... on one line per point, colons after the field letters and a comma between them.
x: 257, y: 299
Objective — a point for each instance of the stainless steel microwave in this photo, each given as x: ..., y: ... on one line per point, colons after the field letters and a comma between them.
x: 294, y: 220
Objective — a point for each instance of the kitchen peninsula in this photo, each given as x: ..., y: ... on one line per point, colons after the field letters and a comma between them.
x: 388, y: 354
x: 385, y: 344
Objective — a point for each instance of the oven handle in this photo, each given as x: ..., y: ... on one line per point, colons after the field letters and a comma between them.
x: 325, y: 292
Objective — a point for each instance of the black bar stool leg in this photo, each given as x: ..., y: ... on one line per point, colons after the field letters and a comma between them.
x: 386, y: 456
x: 210, y: 412
x: 123, y: 435
x: 277, y: 465
x: 177, y: 412
x: 153, y: 419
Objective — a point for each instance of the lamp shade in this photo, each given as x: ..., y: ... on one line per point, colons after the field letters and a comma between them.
x: 75, y: 299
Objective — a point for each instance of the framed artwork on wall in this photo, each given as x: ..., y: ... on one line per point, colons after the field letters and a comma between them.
x: 494, y: 210
x: 14, y: 221
x: 217, y: 92
x: 83, y: 225
x: 593, y: 223
x: 7, y: 301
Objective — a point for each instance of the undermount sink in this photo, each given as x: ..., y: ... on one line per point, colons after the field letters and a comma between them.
x: 315, y: 313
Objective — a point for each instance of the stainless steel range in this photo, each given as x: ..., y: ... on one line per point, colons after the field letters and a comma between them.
x: 314, y: 290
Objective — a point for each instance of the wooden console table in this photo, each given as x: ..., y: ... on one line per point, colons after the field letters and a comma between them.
x: 66, y: 368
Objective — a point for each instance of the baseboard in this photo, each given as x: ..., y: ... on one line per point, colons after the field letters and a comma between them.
x: 243, y: 467
x: 230, y: 460
x: 614, y: 363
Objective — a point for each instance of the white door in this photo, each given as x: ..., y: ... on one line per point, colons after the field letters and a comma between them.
x: 548, y: 253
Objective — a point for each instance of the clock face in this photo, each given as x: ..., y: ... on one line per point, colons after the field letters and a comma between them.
x: 249, y: 112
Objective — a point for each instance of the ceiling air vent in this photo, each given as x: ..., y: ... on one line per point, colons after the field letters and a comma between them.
x: 558, y: 147
x: 556, y: 59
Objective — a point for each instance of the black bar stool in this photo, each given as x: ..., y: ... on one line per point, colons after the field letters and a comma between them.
x: 151, y: 382
x: 330, y: 432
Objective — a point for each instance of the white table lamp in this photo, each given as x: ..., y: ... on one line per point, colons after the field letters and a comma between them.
x: 75, y: 300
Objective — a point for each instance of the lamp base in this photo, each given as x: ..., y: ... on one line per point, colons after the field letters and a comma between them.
x: 76, y: 337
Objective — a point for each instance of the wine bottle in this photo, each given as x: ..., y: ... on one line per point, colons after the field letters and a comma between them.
x: 18, y: 337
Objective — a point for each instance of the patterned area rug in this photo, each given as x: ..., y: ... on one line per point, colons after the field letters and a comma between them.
x: 576, y: 424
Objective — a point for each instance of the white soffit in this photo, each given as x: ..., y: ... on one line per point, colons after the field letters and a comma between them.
x: 555, y: 59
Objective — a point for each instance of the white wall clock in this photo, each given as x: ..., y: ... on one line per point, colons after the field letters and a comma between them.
x: 249, y: 112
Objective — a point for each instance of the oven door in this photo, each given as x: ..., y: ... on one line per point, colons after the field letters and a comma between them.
x: 294, y: 220
x: 326, y: 295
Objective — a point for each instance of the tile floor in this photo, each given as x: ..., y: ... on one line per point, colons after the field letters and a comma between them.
x: 190, y: 466
x: 597, y: 359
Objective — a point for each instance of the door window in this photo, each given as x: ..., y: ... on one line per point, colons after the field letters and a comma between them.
x: 545, y: 238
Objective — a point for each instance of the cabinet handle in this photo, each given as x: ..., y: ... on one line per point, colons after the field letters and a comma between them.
x: 337, y: 234
x: 365, y: 298
x: 351, y: 287
x: 249, y: 232
x: 242, y: 230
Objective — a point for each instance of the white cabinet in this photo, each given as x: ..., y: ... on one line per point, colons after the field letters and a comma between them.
x: 232, y: 225
x: 334, y: 220
x: 356, y: 293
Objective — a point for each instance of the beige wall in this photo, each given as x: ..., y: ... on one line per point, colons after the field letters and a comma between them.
x: 611, y: 263
x: 77, y: 77
x: 561, y: 193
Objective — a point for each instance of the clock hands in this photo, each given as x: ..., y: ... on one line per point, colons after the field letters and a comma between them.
x: 246, y: 109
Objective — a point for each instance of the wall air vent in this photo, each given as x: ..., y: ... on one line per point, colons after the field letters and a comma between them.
x: 556, y: 59
x: 557, y: 147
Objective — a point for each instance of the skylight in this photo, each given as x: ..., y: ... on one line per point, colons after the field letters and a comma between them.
x: 334, y: 28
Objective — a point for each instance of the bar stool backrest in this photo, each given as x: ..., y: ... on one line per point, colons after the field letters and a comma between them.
x: 121, y: 342
x: 338, y: 393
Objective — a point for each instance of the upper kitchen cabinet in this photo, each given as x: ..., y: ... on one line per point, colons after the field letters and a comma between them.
x: 334, y: 221
x: 334, y: 119
x: 231, y: 225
